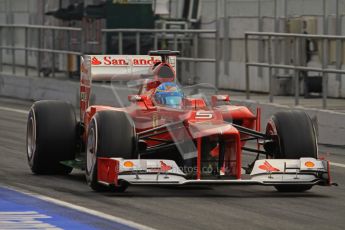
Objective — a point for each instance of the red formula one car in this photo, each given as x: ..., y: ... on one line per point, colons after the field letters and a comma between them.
x: 168, y: 135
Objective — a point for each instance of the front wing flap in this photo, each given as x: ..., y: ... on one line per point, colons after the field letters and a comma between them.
x: 305, y: 171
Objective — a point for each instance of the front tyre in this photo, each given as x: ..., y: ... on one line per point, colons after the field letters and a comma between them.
x: 292, y: 188
x: 294, y: 137
x: 293, y: 134
x: 110, y: 134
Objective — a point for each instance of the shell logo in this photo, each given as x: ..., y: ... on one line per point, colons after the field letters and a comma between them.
x: 309, y: 164
x: 128, y: 164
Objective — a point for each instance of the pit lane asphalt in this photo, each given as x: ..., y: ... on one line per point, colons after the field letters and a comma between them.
x: 225, y: 207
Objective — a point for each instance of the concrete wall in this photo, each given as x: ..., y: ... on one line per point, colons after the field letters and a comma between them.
x: 243, y: 16
x: 331, y: 125
x: 16, y: 12
x: 27, y: 12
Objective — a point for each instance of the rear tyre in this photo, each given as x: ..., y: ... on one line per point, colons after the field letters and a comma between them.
x: 294, y: 137
x: 51, y: 137
x: 110, y: 134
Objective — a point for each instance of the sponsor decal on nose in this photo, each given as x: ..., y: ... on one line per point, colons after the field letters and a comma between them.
x: 268, y: 167
x: 165, y: 167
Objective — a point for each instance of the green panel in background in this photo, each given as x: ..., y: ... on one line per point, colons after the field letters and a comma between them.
x: 128, y: 16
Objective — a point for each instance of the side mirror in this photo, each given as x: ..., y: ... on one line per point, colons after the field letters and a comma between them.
x: 142, y: 98
x: 217, y: 98
x: 135, y: 98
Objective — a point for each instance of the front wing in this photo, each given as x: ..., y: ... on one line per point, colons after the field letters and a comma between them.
x: 305, y: 171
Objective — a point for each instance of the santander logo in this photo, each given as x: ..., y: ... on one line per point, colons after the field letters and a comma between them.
x: 95, y: 61
x: 118, y: 60
x: 144, y: 62
x: 108, y: 61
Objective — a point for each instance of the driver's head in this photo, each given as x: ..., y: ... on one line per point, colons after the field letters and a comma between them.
x: 168, y: 94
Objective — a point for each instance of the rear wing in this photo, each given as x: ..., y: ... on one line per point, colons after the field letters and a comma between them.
x: 106, y: 67
x: 111, y: 67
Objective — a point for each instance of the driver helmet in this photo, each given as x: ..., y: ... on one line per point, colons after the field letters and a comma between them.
x: 168, y: 94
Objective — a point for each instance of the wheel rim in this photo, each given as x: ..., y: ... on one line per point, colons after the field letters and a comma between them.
x: 91, y: 151
x: 271, y: 130
x: 31, y: 137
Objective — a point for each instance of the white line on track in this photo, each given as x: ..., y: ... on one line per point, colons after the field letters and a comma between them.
x: 14, y: 110
x: 82, y: 209
x: 337, y: 164
x: 72, y: 206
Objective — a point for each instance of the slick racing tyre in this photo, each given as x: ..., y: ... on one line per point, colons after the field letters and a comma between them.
x: 51, y: 137
x: 294, y: 137
x: 110, y: 134
x: 292, y: 188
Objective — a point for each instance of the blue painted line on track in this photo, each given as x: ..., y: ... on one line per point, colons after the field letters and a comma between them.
x: 18, y: 209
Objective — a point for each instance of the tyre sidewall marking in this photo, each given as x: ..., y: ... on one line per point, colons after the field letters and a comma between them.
x: 32, y: 122
x: 272, y: 131
x: 91, y: 157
